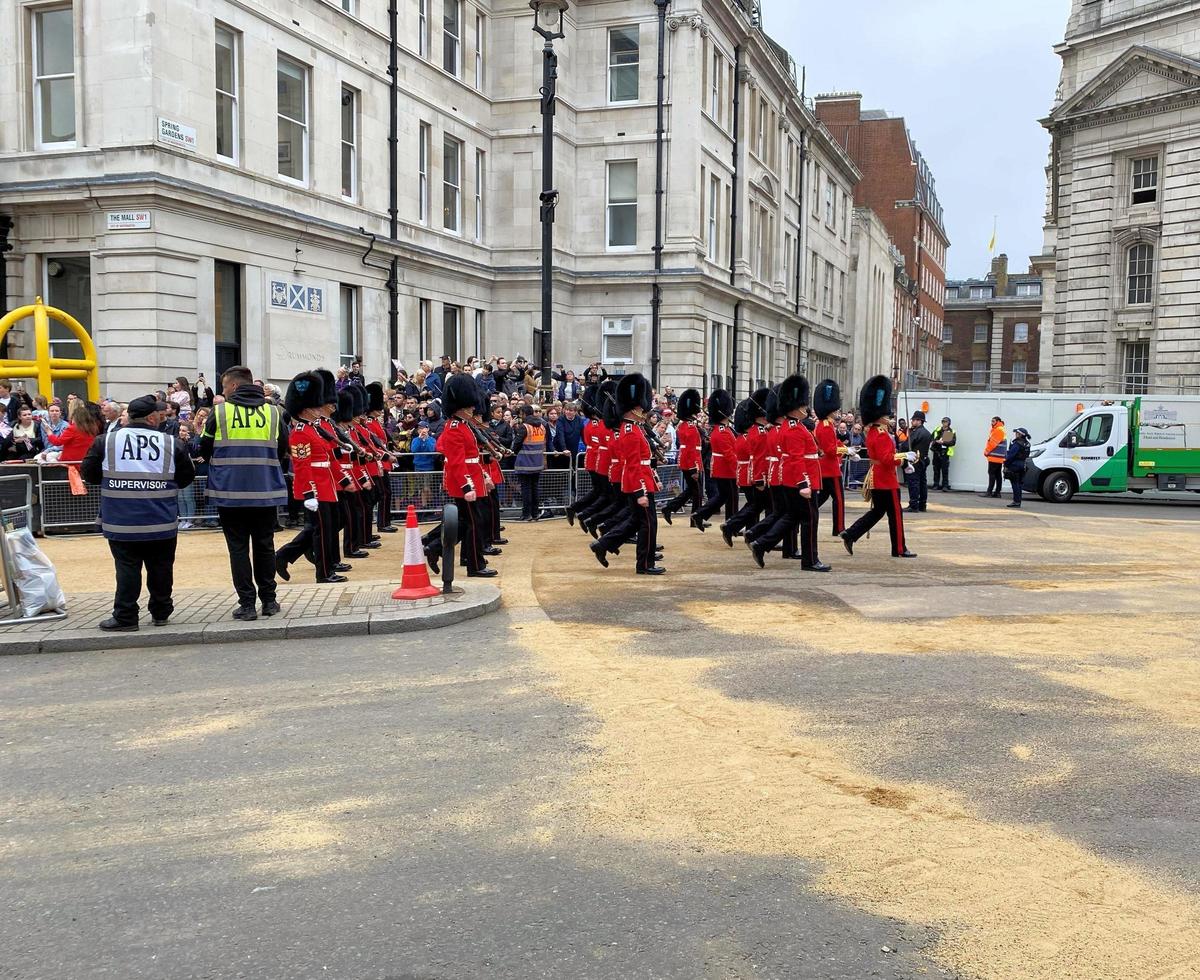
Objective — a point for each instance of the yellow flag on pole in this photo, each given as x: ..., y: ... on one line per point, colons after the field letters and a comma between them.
x: 992, y: 243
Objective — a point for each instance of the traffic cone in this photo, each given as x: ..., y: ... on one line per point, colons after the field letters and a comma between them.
x: 414, y: 584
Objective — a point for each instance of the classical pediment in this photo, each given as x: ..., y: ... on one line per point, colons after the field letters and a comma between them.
x: 1142, y: 80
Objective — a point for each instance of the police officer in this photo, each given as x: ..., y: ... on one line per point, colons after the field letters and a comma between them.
x: 140, y: 472
x: 244, y: 443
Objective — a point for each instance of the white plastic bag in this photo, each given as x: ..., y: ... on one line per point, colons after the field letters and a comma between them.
x: 37, y: 585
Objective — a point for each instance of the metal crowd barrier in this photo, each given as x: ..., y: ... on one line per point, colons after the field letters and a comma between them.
x: 16, y: 501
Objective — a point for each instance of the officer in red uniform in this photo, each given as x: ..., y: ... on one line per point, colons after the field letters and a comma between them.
x: 827, y: 401
x: 723, y: 466
x: 687, y: 437
x: 313, y: 483
x: 595, y: 440
x: 463, y: 477
x: 750, y: 424
x: 799, y: 476
x: 639, y: 480
x: 875, y: 406
x: 774, y: 458
x: 379, y: 439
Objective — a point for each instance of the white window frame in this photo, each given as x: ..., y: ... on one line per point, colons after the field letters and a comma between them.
x: 480, y: 324
x: 455, y: 40
x: 1020, y: 377
x: 981, y: 292
x: 615, y: 326
x: 714, y: 225
x: 351, y: 144
x: 1142, y: 272
x: 424, y: 150
x: 609, y: 204
x: 1029, y: 289
x: 981, y: 333
x: 480, y: 215
x: 423, y: 28
x: 424, y: 322
x: 39, y: 80
x: 1020, y: 333
x: 979, y: 372
x: 635, y: 65
x: 236, y: 73
x: 827, y: 288
x: 718, y: 74
x: 451, y: 186
x: 947, y: 334
x: 830, y: 202
x: 480, y: 44
x: 350, y: 6
x: 348, y: 296
x: 304, y: 125
x: 1145, y: 181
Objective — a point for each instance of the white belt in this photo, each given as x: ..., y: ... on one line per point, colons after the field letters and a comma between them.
x: 772, y: 459
x: 646, y: 462
x: 812, y: 456
x: 475, y: 460
x: 718, y: 455
x: 320, y: 466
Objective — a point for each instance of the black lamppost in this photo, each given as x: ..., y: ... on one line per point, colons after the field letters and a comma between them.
x: 548, y: 22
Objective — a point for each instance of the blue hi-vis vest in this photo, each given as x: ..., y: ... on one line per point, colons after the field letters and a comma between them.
x: 244, y: 470
x: 139, y: 498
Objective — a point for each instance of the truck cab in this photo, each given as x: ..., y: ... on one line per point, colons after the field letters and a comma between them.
x: 1090, y: 454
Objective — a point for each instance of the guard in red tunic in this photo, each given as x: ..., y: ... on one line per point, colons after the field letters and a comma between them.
x: 639, y: 480
x: 723, y: 467
x: 595, y: 459
x: 617, y: 511
x: 774, y: 458
x: 313, y: 483
x: 875, y: 406
x: 750, y: 424
x: 827, y: 402
x: 371, y: 468
x: 379, y: 439
x: 691, y: 466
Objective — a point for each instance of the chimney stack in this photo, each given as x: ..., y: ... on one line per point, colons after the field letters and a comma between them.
x: 1000, y: 273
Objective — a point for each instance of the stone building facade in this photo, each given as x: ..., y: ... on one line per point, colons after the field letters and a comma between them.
x: 991, y: 340
x: 204, y: 182
x: 899, y: 186
x: 1122, y: 294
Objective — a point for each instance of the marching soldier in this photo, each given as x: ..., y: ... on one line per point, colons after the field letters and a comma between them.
x: 773, y: 457
x: 827, y: 402
x: 595, y: 439
x: 140, y: 472
x: 375, y: 407
x: 723, y: 467
x: 755, y: 447
x: 369, y: 462
x: 351, y: 500
x: 875, y: 406
x: 687, y: 435
x: 313, y: 483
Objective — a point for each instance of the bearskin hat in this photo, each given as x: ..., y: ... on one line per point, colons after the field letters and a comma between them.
x: 460, y: 392
x: 328, y: 386
x: 606, y: 403
x: 587, y: 400
x: 689, y: 405
x: 875, y: 399
x: 827, y: 399
x: 744, y: 416
x: 304, y: 391
x: 793, y: 394
x: 345, y: 405
x: 720, y: 406
x: 772, y: 407
x: 634, y: 391
x: 759, y: 399
x: 374, y: 397
x: 360, y: 399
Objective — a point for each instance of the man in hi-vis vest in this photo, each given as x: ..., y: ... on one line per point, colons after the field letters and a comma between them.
x: 244, y: 443
x: 140, y: 472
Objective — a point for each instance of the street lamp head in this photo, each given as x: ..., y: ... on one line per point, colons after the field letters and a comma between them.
x: 548, y: 16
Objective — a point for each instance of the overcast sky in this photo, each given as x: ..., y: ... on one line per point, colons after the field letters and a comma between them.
x: 971, y: 80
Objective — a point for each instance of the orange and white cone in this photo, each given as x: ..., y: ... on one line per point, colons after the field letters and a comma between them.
x: 414, y: 584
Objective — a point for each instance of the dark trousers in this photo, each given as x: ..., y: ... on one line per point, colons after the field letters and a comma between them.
x: 622, y: 526
x: 831, y: 489
x: 941, y: 472
x: 348, y: 510
x: 647, y: 529
x: 751, y: 511
x: 470, y: 535
x: 597, y: 496
x: 369, y: 497
x: 918, y: 487
x: 726, y: 498
x: 317, y: 542
x: 796, y: 523
x: 384, y: 517
x: 250, y: 538
x: 1016, y: 479
x: 884, y: 503
x: 158, y: 559
x: 529, y: 494
x: 689, y: 494
x: 777, y: 508
x: 995, y: 478
x: 494, y: 509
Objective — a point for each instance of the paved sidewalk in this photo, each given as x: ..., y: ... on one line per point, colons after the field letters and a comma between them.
x: 202, y: 615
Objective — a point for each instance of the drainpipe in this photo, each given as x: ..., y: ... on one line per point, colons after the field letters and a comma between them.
x: 800, y: 250
x: 6, y: 225
x: 656, y: 291
x: 393, y: 283
x: 733, y: 209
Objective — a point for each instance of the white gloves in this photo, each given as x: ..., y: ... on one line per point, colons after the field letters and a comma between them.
x: 310, y: 503
x: 911, y: 457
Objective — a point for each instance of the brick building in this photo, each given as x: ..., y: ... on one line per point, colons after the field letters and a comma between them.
x: 991, y: 339
x: 898, y: 185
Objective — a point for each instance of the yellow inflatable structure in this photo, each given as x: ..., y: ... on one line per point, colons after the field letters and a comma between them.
x: 46, y: 368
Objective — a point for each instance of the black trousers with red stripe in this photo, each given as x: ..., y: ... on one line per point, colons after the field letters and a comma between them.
x: 883, y: 503
x: 776, y: 507
x: 384, y: 515
x: 317, y: 542
x: 689, y: 494
x: 726, y: 498
x: 831, y: 489
x: 351, y: 507
x: 599, y: 496
x: 795, y: 523
x: 757, y: 500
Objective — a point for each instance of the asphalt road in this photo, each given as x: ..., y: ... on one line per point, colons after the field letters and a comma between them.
x: 716, y: 774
